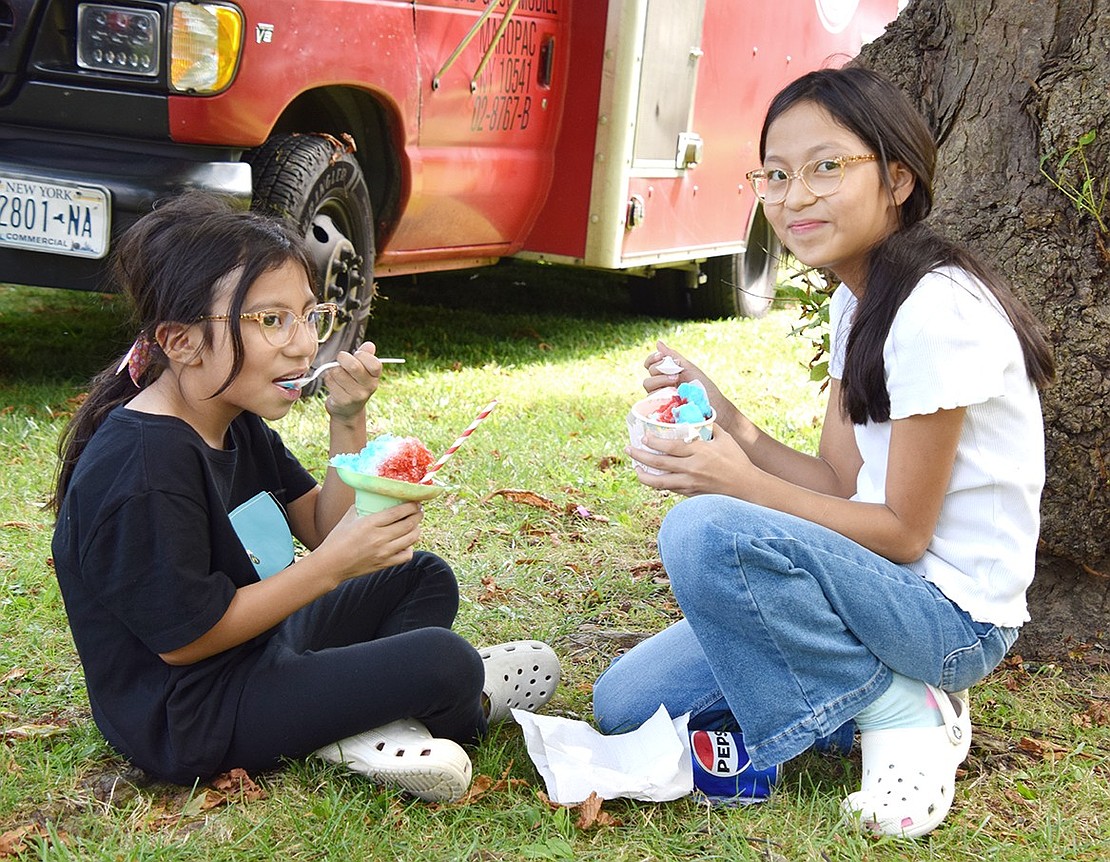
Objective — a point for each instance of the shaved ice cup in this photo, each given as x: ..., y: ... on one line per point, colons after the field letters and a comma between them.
x: 374, y: 493
x: 639, y: 423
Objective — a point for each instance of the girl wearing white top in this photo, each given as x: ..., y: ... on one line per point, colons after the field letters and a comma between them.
x: 878, y: 580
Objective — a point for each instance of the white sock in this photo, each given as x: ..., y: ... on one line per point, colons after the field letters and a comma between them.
x: 907, y: 703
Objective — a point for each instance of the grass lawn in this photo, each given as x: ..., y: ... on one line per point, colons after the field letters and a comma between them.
x: 572, y: 562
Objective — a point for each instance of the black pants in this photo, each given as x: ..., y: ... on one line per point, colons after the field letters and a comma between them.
x: 376, y: 649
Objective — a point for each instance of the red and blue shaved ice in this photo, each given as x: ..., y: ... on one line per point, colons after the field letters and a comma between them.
x: 405, y: 459
x: 689, y: 405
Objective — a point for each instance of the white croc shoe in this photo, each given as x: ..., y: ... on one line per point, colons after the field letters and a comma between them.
x: 405, y: 754
x: 909, y: 775
x: 519, y: 675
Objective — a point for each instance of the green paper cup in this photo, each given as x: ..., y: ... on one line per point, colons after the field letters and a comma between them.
x: 374, y: 493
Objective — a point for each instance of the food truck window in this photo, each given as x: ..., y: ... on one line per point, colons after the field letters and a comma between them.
x: 668, y: 76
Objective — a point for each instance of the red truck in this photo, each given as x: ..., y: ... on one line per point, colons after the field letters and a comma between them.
x: 413, y: 135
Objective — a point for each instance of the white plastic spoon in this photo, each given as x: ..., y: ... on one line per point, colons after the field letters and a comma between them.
x: 304, y: 381
x: 668, y: 366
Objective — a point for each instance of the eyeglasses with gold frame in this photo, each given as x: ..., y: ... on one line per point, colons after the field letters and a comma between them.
x: 821, y: 177
x: 278, y: 326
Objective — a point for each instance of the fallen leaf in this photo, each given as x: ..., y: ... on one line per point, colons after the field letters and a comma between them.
x: 645, y: 568
x: 589, y: 811
x: 1098, y: 711
x: 11, y: 842
x: 528, y: 498
x: 160, y: 817
x: 1042, y: 749
x: 32, y: 731
x: 1100, y: 659
x: 546, y: 800
x: 537, y: 533
x: 491, y: 592
x: 225, y: 789
x: 14, y: 674
x: 237, y: 786
x: 479, y: 787
x: 483, y: 784
x: 198, y: 804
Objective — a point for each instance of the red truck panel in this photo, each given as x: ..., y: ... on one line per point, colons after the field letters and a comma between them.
x: 370, y: 46
x: 703, y: 210
x: 479, y: 161
x: 487, y: 138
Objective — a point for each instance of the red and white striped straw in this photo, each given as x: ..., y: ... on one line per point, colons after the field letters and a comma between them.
x: 445, y: 457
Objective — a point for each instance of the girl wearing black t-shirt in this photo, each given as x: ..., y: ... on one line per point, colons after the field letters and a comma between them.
x: 194, y: 663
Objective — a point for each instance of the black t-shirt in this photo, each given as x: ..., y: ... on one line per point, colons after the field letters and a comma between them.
x: 148, y: 561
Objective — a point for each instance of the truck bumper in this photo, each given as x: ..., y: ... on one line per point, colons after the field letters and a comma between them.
x: 135, y: 180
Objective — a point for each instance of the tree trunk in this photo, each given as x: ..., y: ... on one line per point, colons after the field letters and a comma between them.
x: 1003, y: 84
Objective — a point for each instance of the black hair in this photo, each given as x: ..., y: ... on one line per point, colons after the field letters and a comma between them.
x: 878, y: 113
x: 171, y: 264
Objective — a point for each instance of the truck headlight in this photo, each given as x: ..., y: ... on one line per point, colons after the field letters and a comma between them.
x: 117, y: 39
x: 205, y: 40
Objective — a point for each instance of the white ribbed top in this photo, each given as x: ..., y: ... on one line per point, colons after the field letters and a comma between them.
x: 951, y: 345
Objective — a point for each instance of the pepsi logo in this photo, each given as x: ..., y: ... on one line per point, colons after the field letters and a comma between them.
x: 718, y: 753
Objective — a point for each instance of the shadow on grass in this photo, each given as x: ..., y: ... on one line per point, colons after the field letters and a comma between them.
x: 510, y: 314
x: 54, y: 336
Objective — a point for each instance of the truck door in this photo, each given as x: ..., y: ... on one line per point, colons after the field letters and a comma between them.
x: 492, y: 78
x: 668, y: 78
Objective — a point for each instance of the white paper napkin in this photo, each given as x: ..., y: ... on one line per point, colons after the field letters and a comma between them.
x: 651, y: 763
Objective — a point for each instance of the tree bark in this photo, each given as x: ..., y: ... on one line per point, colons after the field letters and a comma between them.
x: 1004, y: 83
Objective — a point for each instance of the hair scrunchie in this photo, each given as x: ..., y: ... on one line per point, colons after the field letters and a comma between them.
x: 137, y: 359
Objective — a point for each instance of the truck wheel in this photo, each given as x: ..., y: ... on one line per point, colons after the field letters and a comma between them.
x: 741, y: 285
x: 316, y: 182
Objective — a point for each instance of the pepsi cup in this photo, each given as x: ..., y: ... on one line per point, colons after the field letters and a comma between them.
x: 724, y: 772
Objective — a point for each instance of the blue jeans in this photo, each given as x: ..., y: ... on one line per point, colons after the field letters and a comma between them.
x: 790, y: 631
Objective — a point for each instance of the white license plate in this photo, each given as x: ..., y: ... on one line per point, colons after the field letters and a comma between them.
x: 55, y: 217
